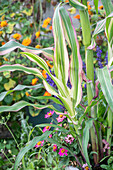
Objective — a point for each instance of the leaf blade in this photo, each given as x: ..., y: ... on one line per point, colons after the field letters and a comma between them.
x: 106, y: 85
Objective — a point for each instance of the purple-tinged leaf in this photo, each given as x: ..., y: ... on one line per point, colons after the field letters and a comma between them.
x: 12, y: 45
x: 76, y: 61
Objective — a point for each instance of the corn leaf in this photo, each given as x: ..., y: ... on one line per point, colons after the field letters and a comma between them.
x: 63, y: 89
x: 77, y: 5
x: 85, y: 140
x: 106, y: 85
x: 21, y: 68
x: 21, y: 104
x: 12, y: 45
x: 61, y: 60
x: 47, y: 98
x: 19, y: 87
x: 109, y: 34
x: 100, y: 27
x: 76, y: 61
x: 108, y: 6
x: 96, y: 5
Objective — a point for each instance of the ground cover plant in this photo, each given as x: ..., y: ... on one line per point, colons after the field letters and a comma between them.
x: 82, y: 133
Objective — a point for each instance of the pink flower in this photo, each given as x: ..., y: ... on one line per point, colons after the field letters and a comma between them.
x: 63, y: 152
x: 49, y: 114
x: 50, y: 136
x: 39, y: 144
x: 54, y: 148
x: 46, y: 128
x: 85, y: 166
x: 60, y: 118
x: 69, y: 139
x: 106, y: 145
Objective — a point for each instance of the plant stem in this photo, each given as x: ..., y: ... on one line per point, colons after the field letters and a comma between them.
x: 15, y: 142
x: 7, y: 157
x: 86, y: 32
x: 12, y: 135
x: 109, y: 130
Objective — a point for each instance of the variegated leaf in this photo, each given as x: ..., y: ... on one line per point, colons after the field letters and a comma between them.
x: 108, y: 6
x: 61, y: 60
x: 63, y: 89
x: 76, y: 61
x: 47, y: 98
x: 101, y: 26
x: 21, y: 68
x: 106, y: 85
x: 109, y: 34
x: 29, y: 71
x: 12, y: 45
x: 77, y: 5
x: 18, y: 88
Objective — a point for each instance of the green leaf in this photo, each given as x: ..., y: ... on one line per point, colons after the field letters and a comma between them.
x: 29, y: 146
x: 85, y: 140
x: 21, y: 104
x: 96, y: 5
x: 28, y: 12
x: 47, y: 97
x: 77, y: 5
x: 30, y: 166
x: 106, y: 85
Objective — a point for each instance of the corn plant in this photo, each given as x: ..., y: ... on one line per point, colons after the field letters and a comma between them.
x: 70, y: 68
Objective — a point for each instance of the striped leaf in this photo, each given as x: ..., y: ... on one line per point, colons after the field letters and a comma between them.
x: 19, y: 87
x: 29, y: 71
x: 63, y: 89
x: 100, y: 27
x: 77, y: 5
x: 85, y: 140
x: 12, y: 45
x: 106, y: 85
x: 108, y: 6
x: 21, y: 104
x: 109, y: 34
x: 76, y: 61
x: 61, y: 60
x: 29, y: 146
x: 47, y: 98
x: 21, y: 68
